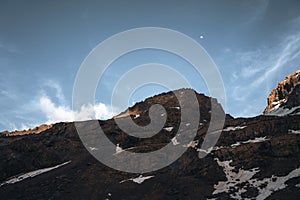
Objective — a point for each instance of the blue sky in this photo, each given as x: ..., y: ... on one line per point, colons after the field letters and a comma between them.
x: 255, y: 44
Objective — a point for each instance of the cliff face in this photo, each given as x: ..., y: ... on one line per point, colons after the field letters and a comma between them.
x: 285, y: 96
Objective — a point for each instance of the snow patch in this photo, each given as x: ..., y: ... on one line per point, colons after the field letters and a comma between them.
x: 93, y: 148
x: 169, y: 129
x: 294, y: 131
x: 255, y: 140
x: 265, y: 186
x: 233, y: 179
x: 31, y: 174
x: 138, y: 180
x: 279, y: 111
x: 118, y: 149
x: 230, y: 128
x: 207, y: 151
x: 276, y: 103
x: 274, y: 183
x: 192, y: 144
x: 174, y: 141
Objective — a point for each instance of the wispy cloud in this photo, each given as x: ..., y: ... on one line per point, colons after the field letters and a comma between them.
x: 5, y: 91
x: 289, y: 50
x: 251, y: 62
x: 11, y: 126
x: 258, y: 9
x: 58, y: 90
x: 9, y: 48
x: 259, y: 65
x: 259, y: 72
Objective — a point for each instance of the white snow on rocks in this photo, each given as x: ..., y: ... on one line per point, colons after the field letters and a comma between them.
x: 138, y: 180
x: 276, y: 103
x: 174, y: 141
x: 265, y: 186
x: 255, y: 140
x: 31, y: 174
x: 294, y: 131
x: 233, y: 179
x: 177, y: 107
x: 192, y: 144
x: 118, y: 149
x: 230, y: 128
x: 279, y: 111
x: 273, y: 184
x: 209, y: 150
x: 169, y: 129
x: 136, y: 116
x: 93, y: 148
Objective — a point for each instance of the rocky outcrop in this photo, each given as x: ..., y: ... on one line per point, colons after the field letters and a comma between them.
x: 286, y: 95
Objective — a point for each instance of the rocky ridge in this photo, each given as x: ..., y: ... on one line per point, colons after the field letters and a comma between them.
x: 254, y: 158
x: 36, y: 130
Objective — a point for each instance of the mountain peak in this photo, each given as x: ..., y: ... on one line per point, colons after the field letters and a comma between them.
x: 170, y: 102
x: 285, y: 99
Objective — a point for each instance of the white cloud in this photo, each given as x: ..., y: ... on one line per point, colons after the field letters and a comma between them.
x: 252, y: 62
x: 54, y: 113
x: 57, y: 113
x: 250, y: 71
x: 62, y: 112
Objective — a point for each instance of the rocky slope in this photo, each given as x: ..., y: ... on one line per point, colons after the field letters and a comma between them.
x: 285, y: 97
x: 254, y: 158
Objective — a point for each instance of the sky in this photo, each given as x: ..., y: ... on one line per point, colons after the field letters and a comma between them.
x: 255, y: 44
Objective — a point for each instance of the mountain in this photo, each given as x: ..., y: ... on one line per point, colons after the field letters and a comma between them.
x: 254, y: 158
x: 285, y: 99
